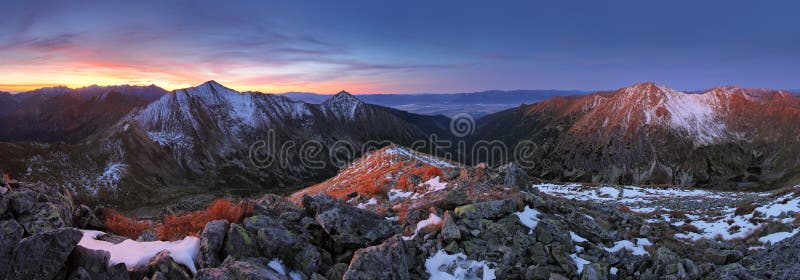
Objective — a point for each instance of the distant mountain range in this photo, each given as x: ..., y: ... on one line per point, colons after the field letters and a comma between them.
x: 141, y: 146
x: 62, y: 114
x: 476, y: 104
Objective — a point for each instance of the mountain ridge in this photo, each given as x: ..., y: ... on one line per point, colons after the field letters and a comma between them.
x: 647, y: 133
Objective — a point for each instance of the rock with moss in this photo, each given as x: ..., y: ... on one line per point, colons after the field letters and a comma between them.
x: 10, y: 233
x: 95, y: 263
x: 240, y: 244
x: 164, y: 264
x: 450, y: 230
x: 212, y: 240
x: 86, y: 219
x: 489, y: 209
x: 216, y: 273
x: 43, y: 256
x: 388, y: 260
x: 253, y: 268
x: 347, y: 225
x: 43, y: 217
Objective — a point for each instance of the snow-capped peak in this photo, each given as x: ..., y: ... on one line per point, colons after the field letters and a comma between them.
x: 694, y: 114
x: 649, y: 104
x: 343, y: 96
x: 343, y: 105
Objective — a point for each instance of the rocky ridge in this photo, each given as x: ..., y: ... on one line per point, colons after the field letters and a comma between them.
x: 465, y: 222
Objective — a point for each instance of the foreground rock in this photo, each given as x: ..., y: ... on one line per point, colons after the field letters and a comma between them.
x: 386, y: 261
x: 43, y: 256
x: 347, y: 225
x: 481, y: 224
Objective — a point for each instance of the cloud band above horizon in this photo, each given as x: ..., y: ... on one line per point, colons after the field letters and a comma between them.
x: 383, y: 47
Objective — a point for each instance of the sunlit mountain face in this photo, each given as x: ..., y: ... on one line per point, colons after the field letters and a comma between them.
x: 399, y: 140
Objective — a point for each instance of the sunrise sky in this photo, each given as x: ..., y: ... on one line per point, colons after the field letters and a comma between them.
x: 399, y: 46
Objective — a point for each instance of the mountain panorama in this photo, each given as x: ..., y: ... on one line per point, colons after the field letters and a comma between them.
x: 207, y: 182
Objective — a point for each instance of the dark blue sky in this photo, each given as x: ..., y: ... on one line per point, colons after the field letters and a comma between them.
x: 401, y: 46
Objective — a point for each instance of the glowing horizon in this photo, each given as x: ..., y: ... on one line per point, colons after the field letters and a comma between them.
x: 378, y: 47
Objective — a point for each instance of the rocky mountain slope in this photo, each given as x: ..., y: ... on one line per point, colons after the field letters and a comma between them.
x: 725, y: 137
x: 458, y: 223
x: 198, y: 141
x: 62, y: 114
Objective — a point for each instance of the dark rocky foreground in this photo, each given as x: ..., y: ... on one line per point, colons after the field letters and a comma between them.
x: 324, y: 238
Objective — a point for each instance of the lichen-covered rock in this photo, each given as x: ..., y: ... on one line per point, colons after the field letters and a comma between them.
x: 240, y: 244
x: 778, y: 262
x: 158, y: 276
x: 516, y: 178
x: 722, y: 257
x: 42, y: 256
x: 274, y: 206
x: 594, y: 271
x: 450, y: 230
x: 347, y: 225
x: 80, y: 274
x: 216, y: 273
x: 272, y: 238
x: 253, y: 268
x: 446, y: 199
x: 308, y: 260
x: 384, y: 261
x: 212, y: 240
x: 86, y: 219
x: 22, y: 201
x: 95, y: 263
x: 41, y: 218
x: 163, y: 263
x: 489, y: 209
x: 10, y: 233
x: 337, y: 271
x: 561, y: 255
x: 5, y: 205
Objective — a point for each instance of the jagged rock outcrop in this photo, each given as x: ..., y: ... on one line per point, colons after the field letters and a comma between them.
x: 495, y: 231
x: 44, y: 255
x: 388, y: 260
x: 212, y: 241
x: 348, y: 226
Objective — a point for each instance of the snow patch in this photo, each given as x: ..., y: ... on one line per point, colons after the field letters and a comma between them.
x: 443, y: 266
x: 579, y: 262
x: 397, y: 194
x: 418, y: 156
x: 435, y: 185
x: 777, y: 237
x: 371, y: 201
x: 576, y: 238
x: 431, y: 220
x: 635, y: 249
x: 134, y: 254
x: 529, y: 217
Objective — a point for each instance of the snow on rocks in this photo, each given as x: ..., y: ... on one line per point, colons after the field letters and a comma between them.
x: 777, y: 237
x: 432, y: 219
x: 134, y: 254
x: 371, y: 201
x: 529, y: 217
x: 696, y: 214
x: 279, y: 267
x: 443, y: 266
x: 576, y: 238
x: 435, y: 184
x: 635, y: 249
x: 402, y: 151
x: 579, y: 262
x: 397, y: 194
